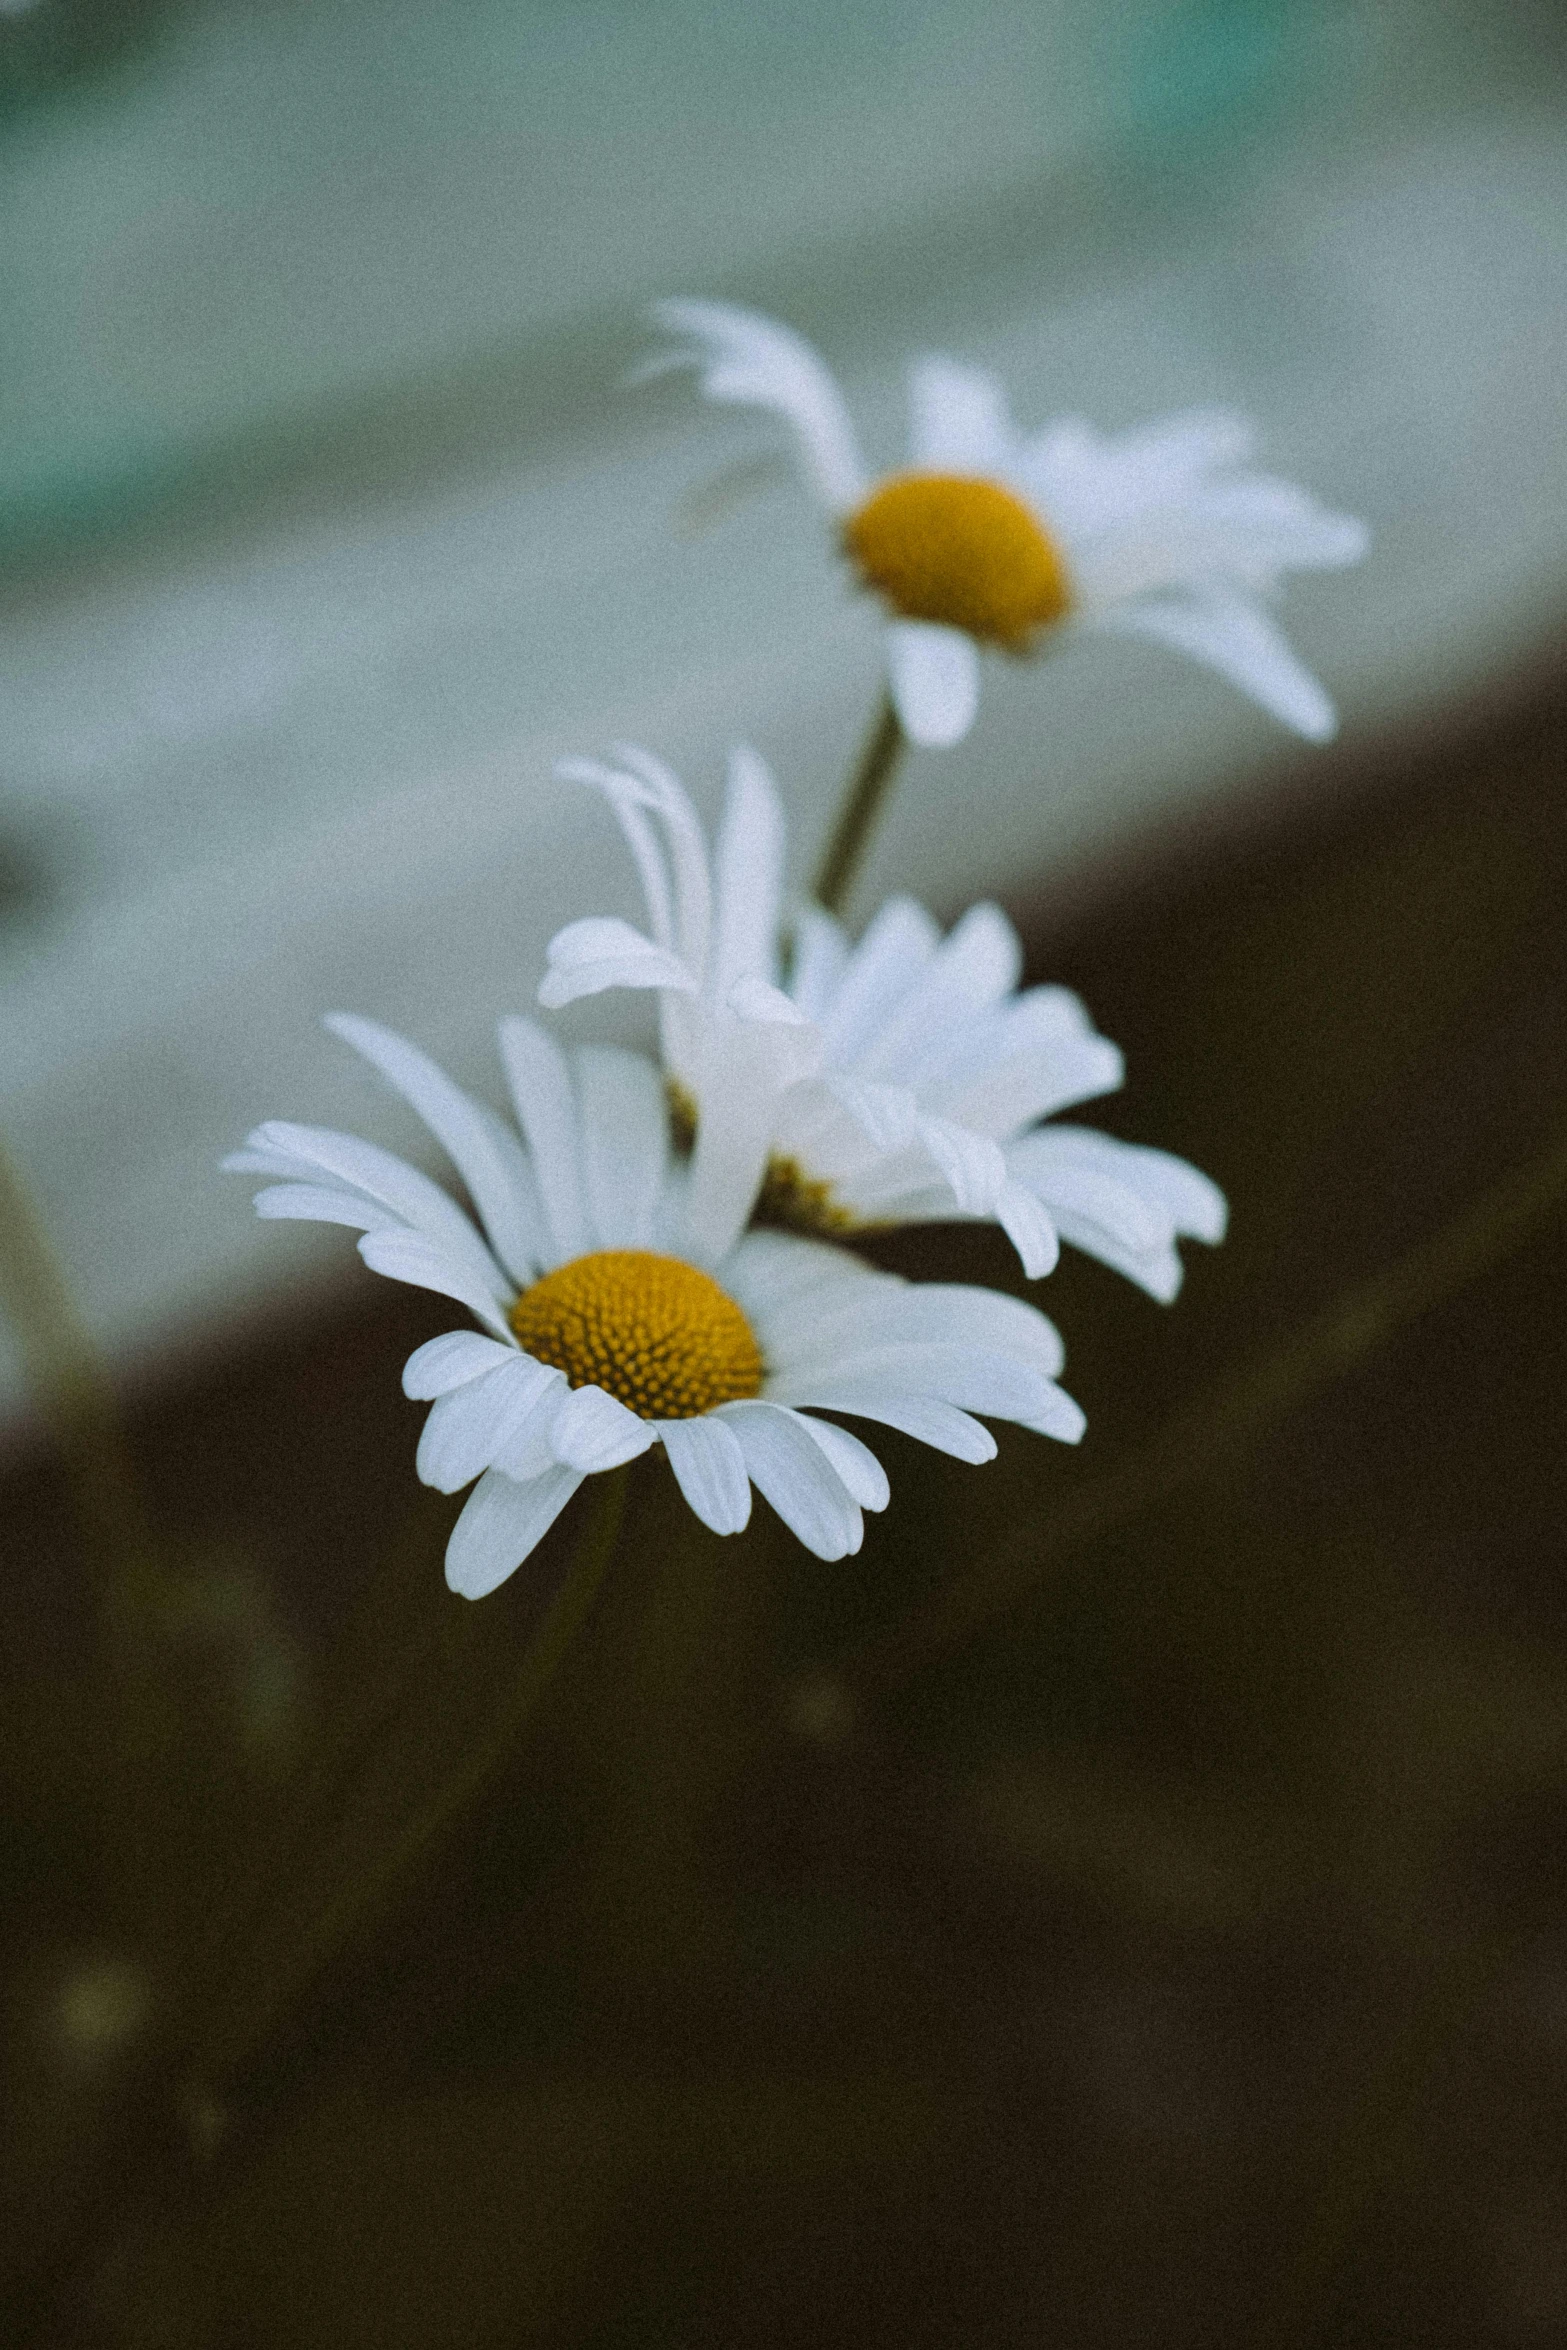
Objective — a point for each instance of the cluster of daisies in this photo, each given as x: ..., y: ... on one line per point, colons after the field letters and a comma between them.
x: 658, y: 1253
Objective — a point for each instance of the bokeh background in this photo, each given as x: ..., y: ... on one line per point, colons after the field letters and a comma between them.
x: 1174, y: 1948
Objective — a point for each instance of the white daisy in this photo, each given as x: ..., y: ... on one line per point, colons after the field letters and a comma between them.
x: 613, y: 1322
x: 904, y: 1080
x: 995, y: 537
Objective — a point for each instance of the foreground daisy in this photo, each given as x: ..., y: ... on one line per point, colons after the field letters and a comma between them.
x: 916, y: 1076
x: 993, y: 537
x: 611, y: 1324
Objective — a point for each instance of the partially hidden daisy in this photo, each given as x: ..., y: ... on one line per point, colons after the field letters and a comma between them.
x: 993, y: 537
x: 918, y: 1077
x: 612, y: 1319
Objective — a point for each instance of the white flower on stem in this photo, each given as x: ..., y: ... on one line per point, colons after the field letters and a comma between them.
x: 614, y: 1317
x: 917, y: 1077
x: 990, y: 536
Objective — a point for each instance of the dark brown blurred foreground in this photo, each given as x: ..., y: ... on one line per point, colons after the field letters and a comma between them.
x: 1178, y: 1957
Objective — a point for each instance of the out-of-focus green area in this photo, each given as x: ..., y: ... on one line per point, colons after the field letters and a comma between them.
x: 1178, y: 1957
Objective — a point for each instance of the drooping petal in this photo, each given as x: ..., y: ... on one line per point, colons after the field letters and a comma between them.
x: 600, y: 952
x: 593, y: 1431
x: 752, y: 361
x: 958, y: 419
x: 413, y: 1257
x: 1242, y: 642
x: 547, y: 1113
x: 862, y: 1473
x: 934, y: 675
x: 940, y: 1425
x: 976, y: 1379
x: 451, y: 1361
x: 465, y: 1427
x: 1028, y: 1225
x: 710, y: 1470
x: 792, y: 1471
x: 771, y: 1274
x: 321, y: 1203
x: 946, y: 1313
x: 625, y: 1143
x: 630, y: 801
x: 500, y: 1524
x: 462, y: 1129
x: 309, y: 1152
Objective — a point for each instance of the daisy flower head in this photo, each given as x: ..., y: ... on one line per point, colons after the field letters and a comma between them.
x: 611, y: 1319
x: 989, y: 536
x: 906, y: 1079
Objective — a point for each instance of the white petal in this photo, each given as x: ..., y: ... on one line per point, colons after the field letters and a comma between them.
x: 600, y: 952
x: 753, y: 361
x: 1028, y: 1225
x: 772, y: 1274
x: 1031, y: 1081
x: 547, y: 1113
x: 667, y: 796
x: 451, y: 1361
x: 1240, y: 641
x: 946, y: 1313
x: 593, y: 1431
x: 426, y: 1264
x: 975, y: 968
x: 710, y: 1470
x: 625, y: 1143
x: 523, y: 1449
x: 821, y: 954
x: 465, y: 1427
x: 940, y: 1425
x: 1176, y: 1190
x: 500, y: 1524
x: 899, y: 942
x: 747, y: 1066
x: 313, y: 1151
x: 972, y: 1165
x: 630, y: 800
x: 935, y: 681
x: 958, y: 420
x: 319, y: 1203
x: 862, y: 1473
x: 748, y: 876
x: 791, y: 1470
x: 1063, y: 1418
x: 975, y: 1378
x: 461, y: 1127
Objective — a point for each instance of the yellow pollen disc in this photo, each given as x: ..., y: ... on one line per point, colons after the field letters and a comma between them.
x: 966, y: 553
x: 657, y: 1333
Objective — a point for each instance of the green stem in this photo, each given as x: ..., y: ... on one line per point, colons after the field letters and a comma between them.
x: 129, y: 1581
x: 69, y: 1383
x: 869, y: 786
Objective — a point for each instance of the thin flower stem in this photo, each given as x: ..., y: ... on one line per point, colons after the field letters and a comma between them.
x: 226, y: 2041
x: 69, y: 1384
x: 1228, y: 1417
x: 129, y: 1581
x: 869, y: 786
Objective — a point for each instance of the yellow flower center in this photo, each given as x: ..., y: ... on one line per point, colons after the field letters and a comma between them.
x: 657, y: 1333
x: 966, y: 553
